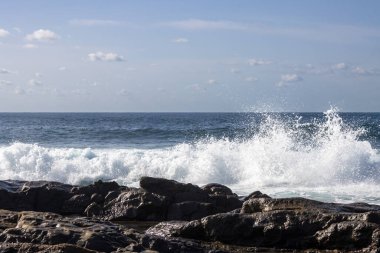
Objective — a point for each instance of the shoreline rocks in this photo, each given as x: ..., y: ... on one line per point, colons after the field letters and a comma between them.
x: 175, y: 217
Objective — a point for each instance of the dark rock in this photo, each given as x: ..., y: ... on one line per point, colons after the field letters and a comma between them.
x: 97, y: 198
x: 255, y: 195
x: 217, y: 189
x: 190, y: 210
x: 93, y: 210
x: 76, y: 204
x: 36, y: 195
x: 225, y: 203
x: 177, y: 192
x: 253, y: 205
x: 293, y: 227
x: 111, y: 195
x: 217, y: 221
x: 137, y: 204
x: 47, y: 229
x: 100, y: 187
x: 42, y: 248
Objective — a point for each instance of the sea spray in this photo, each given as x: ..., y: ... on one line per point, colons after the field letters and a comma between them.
x: 323, y: 158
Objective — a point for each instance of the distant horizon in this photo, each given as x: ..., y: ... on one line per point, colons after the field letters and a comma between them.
x: 185, y: 112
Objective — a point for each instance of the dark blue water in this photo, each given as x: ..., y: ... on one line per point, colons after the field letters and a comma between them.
x: 107, y: 130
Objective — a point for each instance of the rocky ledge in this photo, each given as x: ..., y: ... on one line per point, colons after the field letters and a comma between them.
x: 168, y: 216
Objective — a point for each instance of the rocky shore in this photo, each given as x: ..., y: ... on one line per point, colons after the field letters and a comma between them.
x: 168, y: 216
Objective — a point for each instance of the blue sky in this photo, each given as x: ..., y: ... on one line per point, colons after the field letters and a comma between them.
x: 189, y: 55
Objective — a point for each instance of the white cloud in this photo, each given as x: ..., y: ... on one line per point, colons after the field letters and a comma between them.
x: 197, y: 87
x: 30, y: 46
x: 212, y: 81
x: 37, y: 74
x: 258, y: 62
x: 3, y: 33
x: 42, y: 35
x: 100, y: 56
x: 80, y: 92
x: 94, y: 22
x: 251, y: 79
x: 340, y: 66
x: 5, y: 71
x: 131, y: 69
x: 289, y: 78
x: 235, y: 71
x: 180, y: 40
x: 5, y: 83
x: 34, y: 82
x: 63, y: 68
x: 199, y: 24
x: 19, y: 91
x: 360, y: 71
x: 364, y: 71
x: 124, y: 92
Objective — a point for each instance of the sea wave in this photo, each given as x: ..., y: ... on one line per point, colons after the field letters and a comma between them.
x: 282, y: 158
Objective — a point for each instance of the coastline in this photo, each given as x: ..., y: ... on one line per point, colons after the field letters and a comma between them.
x: 167, y: 216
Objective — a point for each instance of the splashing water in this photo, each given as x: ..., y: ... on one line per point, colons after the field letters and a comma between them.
x: 323, y: 159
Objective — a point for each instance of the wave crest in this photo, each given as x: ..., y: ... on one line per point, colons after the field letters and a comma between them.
x: 281, y: 153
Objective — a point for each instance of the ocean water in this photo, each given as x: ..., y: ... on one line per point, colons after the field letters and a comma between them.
x: 327, y: 156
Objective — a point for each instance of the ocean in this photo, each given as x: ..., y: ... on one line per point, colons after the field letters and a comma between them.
x: 328, y: 156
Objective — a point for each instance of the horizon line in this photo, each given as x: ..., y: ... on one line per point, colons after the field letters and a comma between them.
x: 148, y: 112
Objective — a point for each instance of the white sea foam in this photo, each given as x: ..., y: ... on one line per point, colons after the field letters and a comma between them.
x: 331, y: 164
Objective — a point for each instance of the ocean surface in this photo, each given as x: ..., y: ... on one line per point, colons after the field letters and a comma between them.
x: 327, y: 156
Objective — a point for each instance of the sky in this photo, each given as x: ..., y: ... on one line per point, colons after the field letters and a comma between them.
x: 189, y: 56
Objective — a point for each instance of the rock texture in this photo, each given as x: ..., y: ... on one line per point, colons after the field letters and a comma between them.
x: 168, y: 216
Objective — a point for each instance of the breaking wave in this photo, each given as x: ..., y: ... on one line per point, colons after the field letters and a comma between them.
x: 323, y: 159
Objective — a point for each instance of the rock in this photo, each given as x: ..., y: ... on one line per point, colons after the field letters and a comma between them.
x: 255, y: 195
x: 210, y: 219
x: 298, y: 225
x: 137, y: 204
x: 37, y: 195
x: 97, y: 198
x: 253, y: 205
x: 217, y: 189
x: 175, y: 191
x: 93, y: 210
x: 189, y: 200
x: 47, y: 229
x: 76, y: 204
x: 225, y: 203
x: 100, y: 187
x: 32, y: 248
x: 110, y: 196
x: 190, y: 210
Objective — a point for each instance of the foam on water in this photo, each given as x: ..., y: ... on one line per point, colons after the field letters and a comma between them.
x: 283, y: 158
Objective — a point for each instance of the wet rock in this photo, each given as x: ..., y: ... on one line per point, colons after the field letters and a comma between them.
x: 190, y: 210
x: 46, y: 229
x: 255, y: 195
x: 175, y: 191
x: 217, y: 189
x: 188, y: 201
x: 76, y: 204
x: 253, y: 205
x: 36, y: 195
x: 225, y: 203
x: 97, y: 198
x: 293, y: 227
x: 93, y: 210
x: 137, y: 204
x: 33, y: 248
x: 111, y: 195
